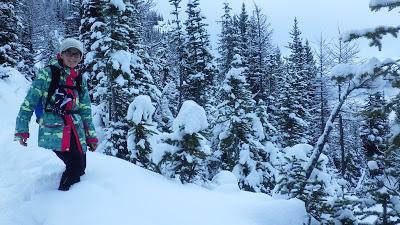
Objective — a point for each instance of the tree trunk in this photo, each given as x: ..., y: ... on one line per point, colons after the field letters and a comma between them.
x: 319, y: 146
x: 341, y: 140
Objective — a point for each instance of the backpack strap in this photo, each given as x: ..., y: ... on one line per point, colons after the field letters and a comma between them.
x: 78, y: 83
x: 54, y: 84
x: 55, y: 80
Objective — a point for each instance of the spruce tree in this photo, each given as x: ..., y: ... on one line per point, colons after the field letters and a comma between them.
x: 243, y: 27
x: 177, y: 42
x: 259, y: 47
x: 310, y: 75
x: 168, y: 81
x: 25, y: 40
x: 290, y: 126
x: 382, y: 199
x: 119, y: 78
x: 93, y: 22
x: 291, y: 175
x: 73, y: 19
x: 201, y: 70
x: 228, y: 42
x: 294, y: 97
x: 277, y: 79
x: 141, y: 132
x: 9, y: 47
x: 239, y: 149
x: 375, y: 127
x: 188, y: 161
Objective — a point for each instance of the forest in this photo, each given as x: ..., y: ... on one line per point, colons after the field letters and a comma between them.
x: 320, y: 124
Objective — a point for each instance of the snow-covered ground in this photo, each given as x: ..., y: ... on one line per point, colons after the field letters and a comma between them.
x: 114, y: 191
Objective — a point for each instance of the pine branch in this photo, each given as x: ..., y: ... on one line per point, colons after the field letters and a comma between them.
x: 375, y: 35
x: 375, y: 5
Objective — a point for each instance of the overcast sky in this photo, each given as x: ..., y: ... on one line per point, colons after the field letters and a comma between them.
x: 315, y: 17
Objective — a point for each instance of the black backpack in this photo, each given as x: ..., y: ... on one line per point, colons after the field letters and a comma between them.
x: 54, y: 85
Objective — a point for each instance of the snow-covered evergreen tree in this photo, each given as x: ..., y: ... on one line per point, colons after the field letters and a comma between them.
x: 383, y: 187
x: 239, y: 149
x: 188, y: 162
x: 228, y: 42
x: 293, y: 100
x: 177, y: 42
x: 318, y: 189
x: 119, y: 77
x: 92, y: 23
x: 73, y: 19
x: 291, y: 127
x: 277, y: 79
x: 382, y: 199
x: 270, y: 133
x: 312, y: 103
x: 168, y: 80
x: 375, y: 126
x: 9, y: 47
x: 24, y: 31
x: 259, y: 48
x: 141, y: 132
x: 200, y: 67
x: 243, y: 26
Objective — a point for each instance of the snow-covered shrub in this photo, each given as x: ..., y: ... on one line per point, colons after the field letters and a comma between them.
x: 142, y: 131
x: 187, y: 160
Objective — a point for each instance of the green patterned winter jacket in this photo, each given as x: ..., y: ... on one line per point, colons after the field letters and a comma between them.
x: 51, y: 126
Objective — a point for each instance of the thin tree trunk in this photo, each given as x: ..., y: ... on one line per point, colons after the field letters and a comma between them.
x: 319, y: 146
x: 341, y: 140
x: 357, y: 82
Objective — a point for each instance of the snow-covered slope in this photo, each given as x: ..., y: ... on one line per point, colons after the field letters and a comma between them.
x: 114, y: 191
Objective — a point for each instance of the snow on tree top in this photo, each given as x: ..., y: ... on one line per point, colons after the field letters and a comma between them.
x: 140, y: 109
x: 119, y: 4
x: 191, y: 118
x: 300, y: 151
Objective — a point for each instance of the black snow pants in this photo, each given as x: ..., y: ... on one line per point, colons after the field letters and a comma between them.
x: 75, y: 165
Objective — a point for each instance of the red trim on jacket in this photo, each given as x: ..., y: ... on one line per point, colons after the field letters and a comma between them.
x: 66, y: 139
x: 23, y: 135
x: 68, y: 117
x: 92, y: 140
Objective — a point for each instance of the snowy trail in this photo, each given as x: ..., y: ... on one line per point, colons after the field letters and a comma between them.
x: 114, y: 191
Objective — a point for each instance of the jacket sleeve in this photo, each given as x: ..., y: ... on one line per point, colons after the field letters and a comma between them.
x: 36, y: 91
x: 85, y: 111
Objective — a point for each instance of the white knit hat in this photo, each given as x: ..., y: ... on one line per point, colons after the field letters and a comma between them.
x: 71, y: 43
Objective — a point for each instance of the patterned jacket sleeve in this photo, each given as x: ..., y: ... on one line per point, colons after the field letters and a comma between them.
x: 85, y: 112
x: 37, y: 90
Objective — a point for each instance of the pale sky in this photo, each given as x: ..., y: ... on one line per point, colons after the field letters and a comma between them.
x: 315, y: 17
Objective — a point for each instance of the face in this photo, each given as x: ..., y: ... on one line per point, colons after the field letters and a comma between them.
x: 71, y: 57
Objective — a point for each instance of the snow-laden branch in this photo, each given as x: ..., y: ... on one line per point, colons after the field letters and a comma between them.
x: 376, y: 5
x: 357, y: 77
x: 375, y: 35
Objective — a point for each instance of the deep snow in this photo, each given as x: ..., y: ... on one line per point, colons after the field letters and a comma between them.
x: 114, y: 191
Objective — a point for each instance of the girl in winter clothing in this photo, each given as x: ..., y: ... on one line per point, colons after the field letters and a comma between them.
x: 66, y: 124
